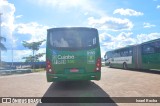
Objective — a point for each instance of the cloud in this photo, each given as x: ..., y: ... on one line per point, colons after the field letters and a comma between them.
x: 105, y: 37
x: 19, y: 16
x: 19, y: 54
x: 10, y: 30
x: 148, y: 25
x: 110, y: 23
x: 14, y: 33
x: 37, y: 31
x: 147, y: 37
x: 42, y: 50
x: 123, y: 39
x: 110, y: 42
x: 127, y: 12
x: 158, y: 6
x: 120, y: 40
x: 64, y: 5
x: 7, y: 9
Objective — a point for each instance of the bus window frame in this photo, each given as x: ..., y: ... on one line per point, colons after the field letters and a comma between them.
x: 73, y: 48
x: 148, y: 45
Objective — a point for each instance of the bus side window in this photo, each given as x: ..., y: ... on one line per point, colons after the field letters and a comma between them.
x: 157, y: 46
x: 90, y: 41
x: 116, y: 54
x: 110, y: 54
x: 147, y: 49
x: 130, y: 52
x: 51, y: 39
x: 121, y: 54
x: 126, y: 53
x: 94, y: 41
x: 63, y: 43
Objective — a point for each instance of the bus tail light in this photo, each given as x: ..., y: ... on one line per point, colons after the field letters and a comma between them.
x: 48, y: 66
x: 98, y: 65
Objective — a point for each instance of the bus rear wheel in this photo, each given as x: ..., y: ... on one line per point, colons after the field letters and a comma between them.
x: 125, y: 66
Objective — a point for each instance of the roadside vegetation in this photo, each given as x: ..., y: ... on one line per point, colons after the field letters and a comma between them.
x: 38, y: 70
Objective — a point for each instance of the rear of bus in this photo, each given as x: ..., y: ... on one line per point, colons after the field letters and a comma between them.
x: 73, y: 54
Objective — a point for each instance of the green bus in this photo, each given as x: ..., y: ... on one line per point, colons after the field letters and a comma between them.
x: 141, y: 56
x: 73, y: 53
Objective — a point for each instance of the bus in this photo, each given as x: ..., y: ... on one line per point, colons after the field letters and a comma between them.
x: 73, y: 53
x: 142, y: 56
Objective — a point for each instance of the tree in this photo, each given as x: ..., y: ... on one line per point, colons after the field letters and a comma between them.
x: 34, y: 46
x: 30, y: 58
x: 2, y: 47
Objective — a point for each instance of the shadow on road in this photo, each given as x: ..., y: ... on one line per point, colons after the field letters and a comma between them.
x: 76, y: 89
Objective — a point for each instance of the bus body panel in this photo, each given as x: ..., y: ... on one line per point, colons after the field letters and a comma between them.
x: 124, y: 55
x: 62, y: 68
x: 137, y: 57
x: 144, y: 56
x: 151, y: 54
x: 118, y: 61
x: 151, y: 61
x: 73, y: 64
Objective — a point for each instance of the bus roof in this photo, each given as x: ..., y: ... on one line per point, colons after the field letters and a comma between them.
x: 151, y: 41
x: 133, y: 45
x: 128, y: 46
x: 59, y: 28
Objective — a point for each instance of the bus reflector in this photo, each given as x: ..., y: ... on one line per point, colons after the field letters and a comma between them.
x: 98, y: 64
x: 48, y: 66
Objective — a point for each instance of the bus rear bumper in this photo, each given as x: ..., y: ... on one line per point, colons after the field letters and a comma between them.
x: 73, y: 77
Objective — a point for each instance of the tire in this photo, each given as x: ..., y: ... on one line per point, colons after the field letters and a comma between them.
x: 110, y: 66
x: 125, y: 66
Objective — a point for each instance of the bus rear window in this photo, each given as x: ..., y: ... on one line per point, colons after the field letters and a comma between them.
x: 72, y: 38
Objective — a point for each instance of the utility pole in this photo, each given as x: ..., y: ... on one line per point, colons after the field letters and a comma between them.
x: 12, y: 51
x: 0, y: 41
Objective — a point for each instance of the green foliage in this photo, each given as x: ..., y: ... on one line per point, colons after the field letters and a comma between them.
x: 35, y: 58
x: 34, y: 46
x: 28, y: 59
x: 38, y: 70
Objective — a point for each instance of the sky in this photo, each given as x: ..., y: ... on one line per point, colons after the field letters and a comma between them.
x: 119, y: 22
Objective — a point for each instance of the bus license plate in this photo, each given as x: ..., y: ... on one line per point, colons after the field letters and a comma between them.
x: 74, y: 70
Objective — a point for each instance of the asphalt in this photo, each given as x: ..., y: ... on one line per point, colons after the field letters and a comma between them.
x: 113, y: 83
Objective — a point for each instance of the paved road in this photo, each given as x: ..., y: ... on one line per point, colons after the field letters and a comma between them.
x: 114, y: 83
